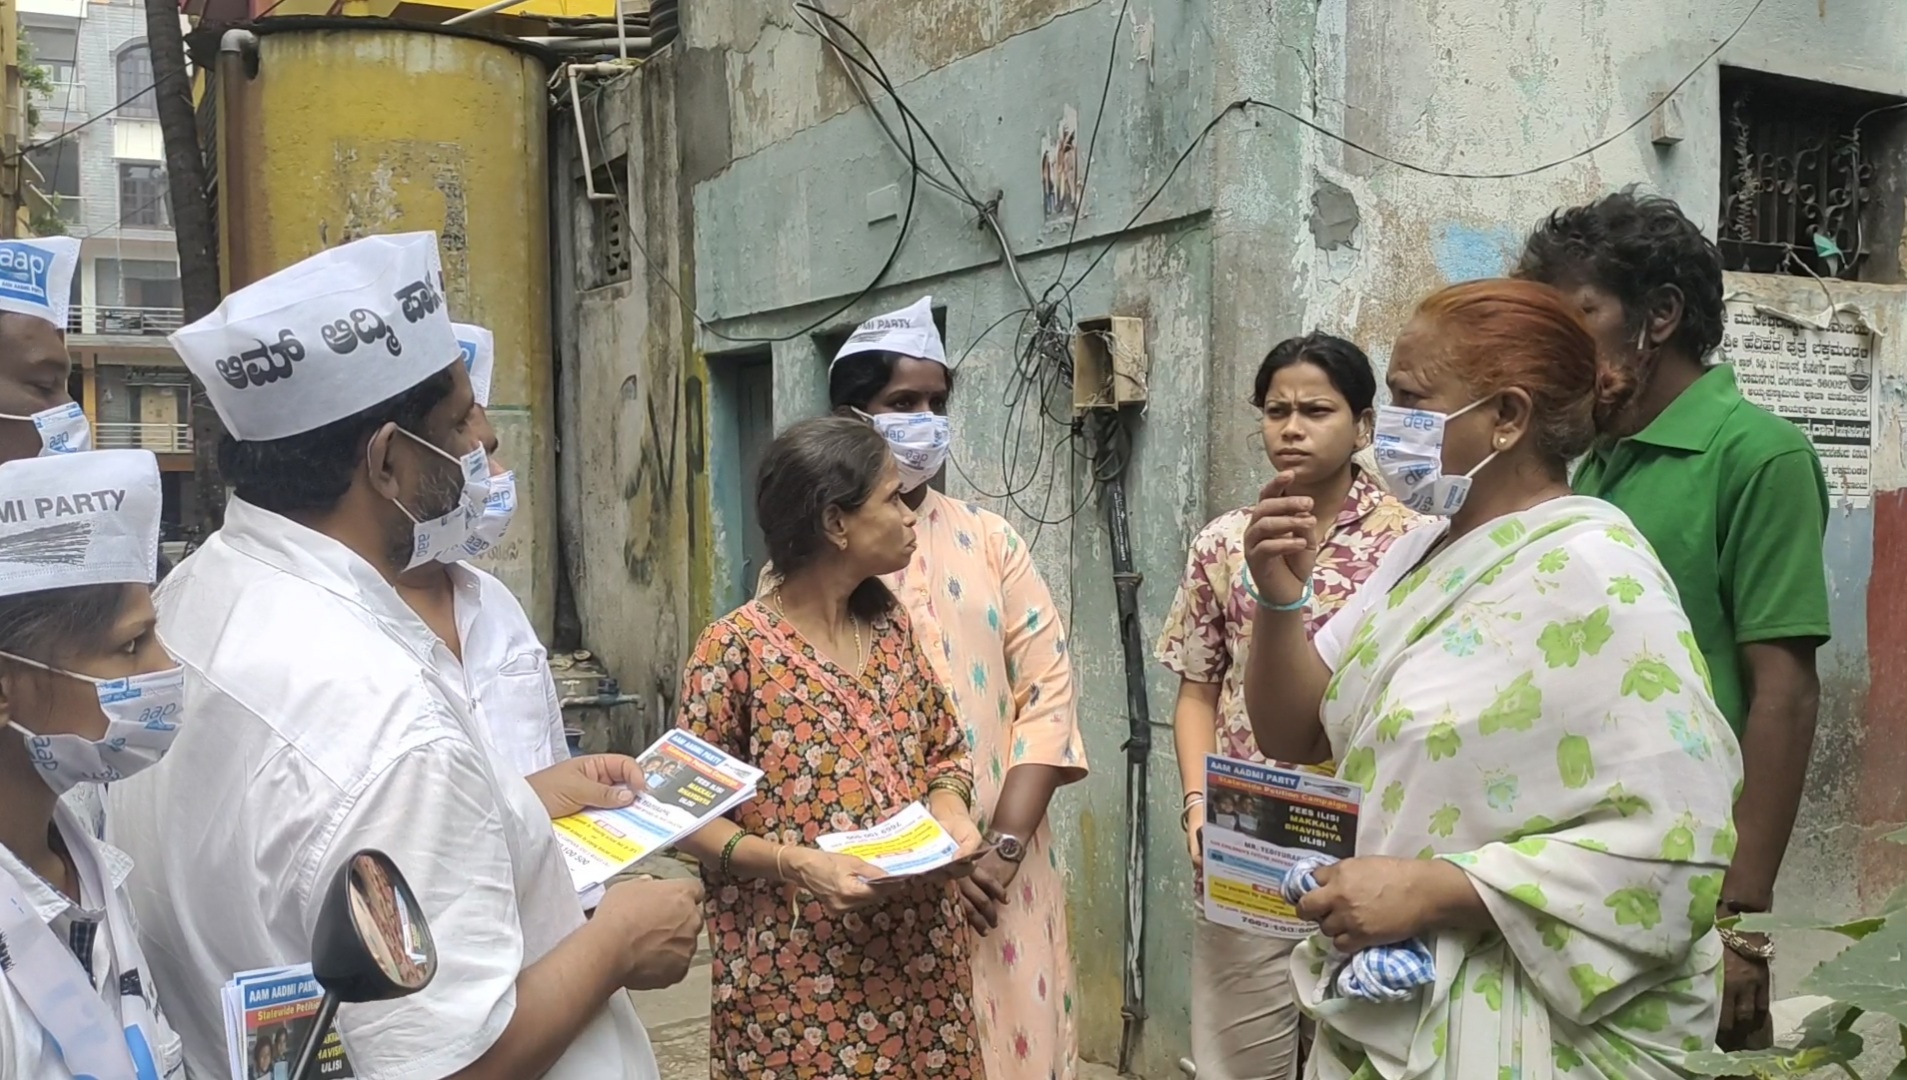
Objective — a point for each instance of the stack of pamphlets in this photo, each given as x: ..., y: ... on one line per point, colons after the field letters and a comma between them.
x: 267, y: 1015
x: 1259, y: 821
x: 688, y: 784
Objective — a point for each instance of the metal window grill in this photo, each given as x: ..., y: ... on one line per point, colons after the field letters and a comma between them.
x: 1797, y: 177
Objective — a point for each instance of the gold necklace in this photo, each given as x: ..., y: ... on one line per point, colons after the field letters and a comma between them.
x: 860, y: 649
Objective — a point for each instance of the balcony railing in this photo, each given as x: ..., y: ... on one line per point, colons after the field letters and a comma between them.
x: 158, y: 438
x: 118, y: 320
x: 61, y: 97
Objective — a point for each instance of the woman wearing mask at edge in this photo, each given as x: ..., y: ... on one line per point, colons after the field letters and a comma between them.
x: 90, y: 695
x: 1517, y: 691
x: 988, y: 624
x: 1314, y: 397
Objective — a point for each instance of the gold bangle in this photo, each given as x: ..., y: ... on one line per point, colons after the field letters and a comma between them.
x: 955, y: 785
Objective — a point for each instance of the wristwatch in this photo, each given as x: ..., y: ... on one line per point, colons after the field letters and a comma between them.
x: 1008, y: 847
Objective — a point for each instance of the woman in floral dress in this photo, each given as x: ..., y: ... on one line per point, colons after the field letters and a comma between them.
x: 990, y: 628
x: 820, y: 970
x: 1314, y: 397
x: 1548, y: 781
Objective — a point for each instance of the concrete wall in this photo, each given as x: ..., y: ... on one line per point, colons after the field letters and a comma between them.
x: 629, y: 400
x: 797, y: 196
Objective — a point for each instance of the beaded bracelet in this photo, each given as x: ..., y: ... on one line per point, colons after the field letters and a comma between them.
x: 1251, y: 590
x: 728, y: 850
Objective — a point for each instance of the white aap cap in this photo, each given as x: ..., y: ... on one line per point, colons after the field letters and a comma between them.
x: 480, y: 358
x: 324, y: 339
x: 79, y: 519
x: 909, y: 332
x: 36, y: 277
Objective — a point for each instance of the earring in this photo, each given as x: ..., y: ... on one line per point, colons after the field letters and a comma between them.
x: 1501, y: 442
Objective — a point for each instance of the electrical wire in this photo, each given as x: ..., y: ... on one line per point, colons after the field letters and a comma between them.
x: 1043, y: 362
x: 128, y: 216
x: 1092, y: 144
x: 1423, y: 170
x: 893, y: 256
x: 86, y: 123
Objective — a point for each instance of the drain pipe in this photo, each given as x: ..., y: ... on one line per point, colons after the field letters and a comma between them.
x: 488, y: 9
x: 1126, y: 580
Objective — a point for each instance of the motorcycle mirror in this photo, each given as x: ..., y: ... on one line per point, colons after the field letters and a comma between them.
x: 372, y: 944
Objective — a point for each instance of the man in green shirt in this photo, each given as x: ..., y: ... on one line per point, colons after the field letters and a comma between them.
x: 1733, y: 500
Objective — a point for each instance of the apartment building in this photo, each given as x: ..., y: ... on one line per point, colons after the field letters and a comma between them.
x: 99, y: 159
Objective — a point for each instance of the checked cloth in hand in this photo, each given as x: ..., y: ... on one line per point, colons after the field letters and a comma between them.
x: 1381, y: 973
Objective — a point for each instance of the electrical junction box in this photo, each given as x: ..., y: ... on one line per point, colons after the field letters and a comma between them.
x: 1110, y: 363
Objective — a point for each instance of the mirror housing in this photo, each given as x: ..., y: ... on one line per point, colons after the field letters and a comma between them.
x: 371, y: 942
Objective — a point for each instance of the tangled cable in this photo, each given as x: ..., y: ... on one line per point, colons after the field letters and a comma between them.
x: 1381, y: 973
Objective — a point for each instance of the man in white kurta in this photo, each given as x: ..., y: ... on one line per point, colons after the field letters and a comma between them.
x: 506, y: 669
x: 331, y: 719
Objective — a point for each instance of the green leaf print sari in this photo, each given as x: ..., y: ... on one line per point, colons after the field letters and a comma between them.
x: 1529, y: 704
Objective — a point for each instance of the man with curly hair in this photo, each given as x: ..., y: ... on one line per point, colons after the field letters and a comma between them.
x: 1732, y: 498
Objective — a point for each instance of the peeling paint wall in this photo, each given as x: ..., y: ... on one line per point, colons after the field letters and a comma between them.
x: 797, y: 202
x: 630, y: 398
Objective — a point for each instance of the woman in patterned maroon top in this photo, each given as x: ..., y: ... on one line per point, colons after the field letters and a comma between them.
x: 1314, y: 398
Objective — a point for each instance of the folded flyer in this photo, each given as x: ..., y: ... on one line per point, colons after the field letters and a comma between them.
x: 1259, y: 821
x: 689, y: 784
x: 267, y: 1015
x: 910, y: 842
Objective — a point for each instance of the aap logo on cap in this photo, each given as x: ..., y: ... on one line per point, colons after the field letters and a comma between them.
x: 36, y: 277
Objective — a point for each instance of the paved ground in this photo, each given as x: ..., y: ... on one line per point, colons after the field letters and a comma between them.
x: 677, y: 1018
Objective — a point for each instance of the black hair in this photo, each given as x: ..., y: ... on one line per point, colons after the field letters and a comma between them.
x: 1632, y: 246
x: 51, y: 623
x: 858, y: 379
x: 311, y: 471
x: 827, y: 461
x: 1342, y: 362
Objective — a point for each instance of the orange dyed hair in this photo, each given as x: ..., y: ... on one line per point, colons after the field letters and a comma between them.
x: 1500, y: 333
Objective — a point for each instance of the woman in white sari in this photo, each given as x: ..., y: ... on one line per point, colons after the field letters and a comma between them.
x: 1548, y: 781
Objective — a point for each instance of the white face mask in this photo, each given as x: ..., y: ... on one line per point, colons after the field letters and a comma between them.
x: 63, y: 428
x: 498, y: 509
x: 920, y: 442
x: 142, y: 718
x: 440, y: 537
x: 1408, y: 445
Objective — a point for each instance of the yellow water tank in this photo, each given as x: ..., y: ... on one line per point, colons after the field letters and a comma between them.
x: 328, y: 130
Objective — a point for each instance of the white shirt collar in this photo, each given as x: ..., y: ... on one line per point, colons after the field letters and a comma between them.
x: 311, y: 556
x: 50, y: 903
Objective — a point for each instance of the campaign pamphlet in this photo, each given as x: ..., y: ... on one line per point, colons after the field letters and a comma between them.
x: 911, y: 842
x: 1259, y: 821
x: 267, y: 1016
x: 688, y: 784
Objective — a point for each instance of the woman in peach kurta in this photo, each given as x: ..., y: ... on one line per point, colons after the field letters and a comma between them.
x: 986, y: 620
x: 988, y: 624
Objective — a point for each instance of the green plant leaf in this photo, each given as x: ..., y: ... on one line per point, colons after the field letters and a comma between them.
x: 1870, y: 974
x: 1779, y: 1062
x: 1823, y: 1024
x: 1897, y: 837
x: 1856, y: 928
